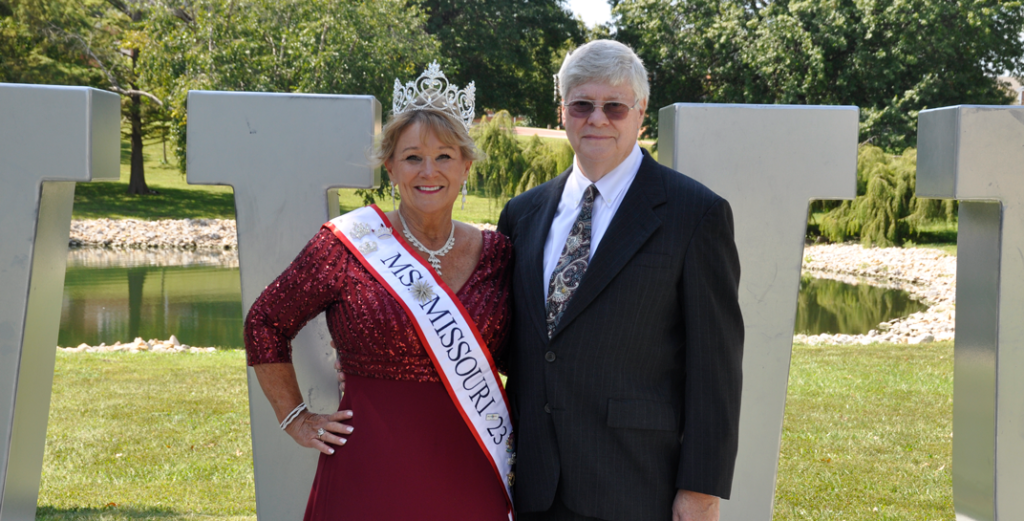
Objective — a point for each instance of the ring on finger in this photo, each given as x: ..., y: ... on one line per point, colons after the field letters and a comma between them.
x: 320, y: 432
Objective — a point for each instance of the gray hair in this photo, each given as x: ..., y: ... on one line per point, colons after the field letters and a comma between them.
x: 604, y: 61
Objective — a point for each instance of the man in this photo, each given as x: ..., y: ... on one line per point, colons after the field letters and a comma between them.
x: 625, y: 361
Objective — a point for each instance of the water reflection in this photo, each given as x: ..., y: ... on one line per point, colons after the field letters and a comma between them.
x: 114, y: 296
x: 829, y: 306
x: 111, y: 296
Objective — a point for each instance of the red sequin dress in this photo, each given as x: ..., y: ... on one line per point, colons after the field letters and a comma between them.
x: 410, y: 455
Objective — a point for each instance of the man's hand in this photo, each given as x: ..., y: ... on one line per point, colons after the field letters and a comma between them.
x: 694, y: 506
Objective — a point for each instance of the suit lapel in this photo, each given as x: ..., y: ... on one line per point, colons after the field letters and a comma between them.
x: 535, y: 228
x: 633, y: 224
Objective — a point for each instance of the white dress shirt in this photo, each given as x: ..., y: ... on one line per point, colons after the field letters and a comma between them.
x: 611, y: 189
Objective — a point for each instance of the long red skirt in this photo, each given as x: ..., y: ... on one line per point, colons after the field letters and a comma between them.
x: 410, y: 456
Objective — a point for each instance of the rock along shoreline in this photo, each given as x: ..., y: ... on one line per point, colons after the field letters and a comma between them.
x: 171, y: 345
x: 166, y: 234
x: 928, y: 275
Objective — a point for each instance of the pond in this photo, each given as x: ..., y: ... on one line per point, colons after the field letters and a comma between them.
x: 833, y: 307
x: 117, y: 296
x: 112, y: 296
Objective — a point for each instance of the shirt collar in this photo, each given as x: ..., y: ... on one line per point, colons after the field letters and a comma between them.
x: 610, y: 187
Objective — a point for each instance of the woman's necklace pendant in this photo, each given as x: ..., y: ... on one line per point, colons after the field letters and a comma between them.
x: 435, y: 263
x: 432, y: 256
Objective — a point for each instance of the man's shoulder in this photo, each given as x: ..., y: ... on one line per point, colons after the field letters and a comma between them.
x: 678, y: 187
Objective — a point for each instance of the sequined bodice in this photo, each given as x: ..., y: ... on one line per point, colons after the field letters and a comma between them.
x: 375, y: 337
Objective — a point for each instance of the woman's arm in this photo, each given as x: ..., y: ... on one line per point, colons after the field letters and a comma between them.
x: 282, y: 390
x: 308, y: 287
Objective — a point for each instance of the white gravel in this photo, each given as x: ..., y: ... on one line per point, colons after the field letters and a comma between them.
x: 177, y: 234
x: 171, y: 346
x: 182, y: 234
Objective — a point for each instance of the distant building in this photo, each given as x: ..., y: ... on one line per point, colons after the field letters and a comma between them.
x: 1015, y: 87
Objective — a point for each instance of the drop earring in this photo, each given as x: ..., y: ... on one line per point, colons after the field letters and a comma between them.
x: 393, y: 206
x: 464, y: 192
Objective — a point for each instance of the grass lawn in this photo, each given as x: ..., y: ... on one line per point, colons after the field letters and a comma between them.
x: 150, y: 436
x: 938, y: 235
x: 176, y: 200
x: 868, y: 434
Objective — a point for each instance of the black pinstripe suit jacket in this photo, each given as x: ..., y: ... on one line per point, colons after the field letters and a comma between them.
x: 637, y: 394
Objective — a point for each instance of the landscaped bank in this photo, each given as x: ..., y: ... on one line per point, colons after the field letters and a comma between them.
x: 928, y: 275
x: 181, y: 234
x: 165, y: 234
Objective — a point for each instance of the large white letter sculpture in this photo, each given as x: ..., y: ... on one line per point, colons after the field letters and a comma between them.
x: 50, y: 137
x: 976, y: 154
x: 768, y: 162
x: 285, y: 155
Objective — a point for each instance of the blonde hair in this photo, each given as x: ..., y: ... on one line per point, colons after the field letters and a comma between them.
x: 446, y: 127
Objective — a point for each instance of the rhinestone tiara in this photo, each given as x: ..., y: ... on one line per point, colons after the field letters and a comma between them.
x: 432, y: 90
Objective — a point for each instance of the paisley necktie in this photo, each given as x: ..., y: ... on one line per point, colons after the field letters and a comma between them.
x: 572, y: 264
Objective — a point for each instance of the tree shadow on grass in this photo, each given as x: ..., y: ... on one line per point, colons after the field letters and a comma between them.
x: 944, y: 236
x: 45, y: 513
x: 123, y: 513
x: 108, y: 199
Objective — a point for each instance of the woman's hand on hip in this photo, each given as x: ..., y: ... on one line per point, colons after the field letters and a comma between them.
x: 306, y: 430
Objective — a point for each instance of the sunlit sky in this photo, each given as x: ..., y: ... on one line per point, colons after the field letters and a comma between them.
x: 593, y: 12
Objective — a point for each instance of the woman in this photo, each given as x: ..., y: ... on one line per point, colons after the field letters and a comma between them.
x: 415, y: 444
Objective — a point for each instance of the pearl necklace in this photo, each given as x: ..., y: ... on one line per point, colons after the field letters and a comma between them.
x: 432, y: 254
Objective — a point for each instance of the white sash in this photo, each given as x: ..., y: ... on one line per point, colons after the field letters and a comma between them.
x: 445, y: 329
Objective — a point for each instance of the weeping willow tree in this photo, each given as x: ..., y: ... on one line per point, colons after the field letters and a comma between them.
x: 499, y: 172
x: 544, y: 161
x: 885, y: 211
x: 509, y: 167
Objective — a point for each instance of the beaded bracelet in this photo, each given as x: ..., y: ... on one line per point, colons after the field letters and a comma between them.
x: 292, y: 415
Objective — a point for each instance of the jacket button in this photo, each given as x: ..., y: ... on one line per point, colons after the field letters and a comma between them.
x: 547, y: 408
x: 549, y: 356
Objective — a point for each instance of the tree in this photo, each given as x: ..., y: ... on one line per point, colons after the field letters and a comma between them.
x: 127, y: 23
x: 511, y: 48
x: 29, y: 55
x: 324, y: 46
x: 508, y: 168
x: 544, y: 160
x: 502, y: 168
x: 892, y: 58
x: 91, y: 42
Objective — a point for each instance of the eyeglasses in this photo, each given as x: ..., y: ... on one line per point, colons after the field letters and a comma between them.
x: 613, y: 110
